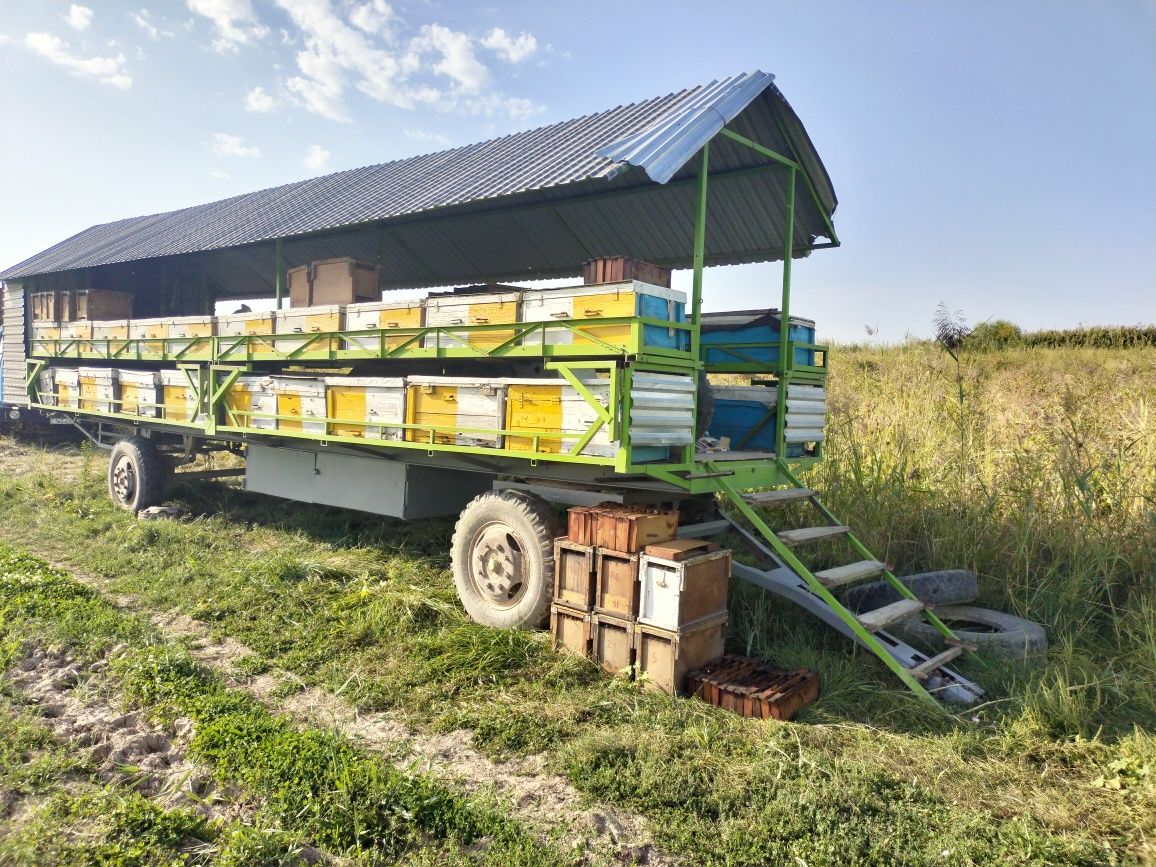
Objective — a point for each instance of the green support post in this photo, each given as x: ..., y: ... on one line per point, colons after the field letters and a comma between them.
x: 785, y: 321
x: 696, y: 285
x: 279, y: 283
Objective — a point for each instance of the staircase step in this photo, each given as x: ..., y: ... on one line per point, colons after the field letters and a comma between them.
x: 883, y: 617
x: 922, y: 670
x: 810, y: 534
x: 778, y: 498
x: 840, y: 575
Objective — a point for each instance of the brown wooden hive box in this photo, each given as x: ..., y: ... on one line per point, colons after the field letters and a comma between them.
x: 752, y: 689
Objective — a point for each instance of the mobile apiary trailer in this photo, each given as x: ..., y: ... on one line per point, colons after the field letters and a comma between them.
x: 494, y: 399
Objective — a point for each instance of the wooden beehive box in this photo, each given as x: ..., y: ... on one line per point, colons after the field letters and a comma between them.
x: 573, y: 574
x: 666, y: 656
x: 616, y: 584
x: 752, y: 689
x: 674, y: 593
x: 614, y: 640
x: 613, y: 269
x: 102, y: 304
x: 571, y: 628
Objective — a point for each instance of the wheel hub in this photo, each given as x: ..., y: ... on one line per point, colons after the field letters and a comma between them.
x: 123, y: 481
x: 496, y: 566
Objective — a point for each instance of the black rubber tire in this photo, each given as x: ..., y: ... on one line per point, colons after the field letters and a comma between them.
x: 136, y: 474
x: 945, y: 587
x: 530, y: 527
x: 1002, y: 635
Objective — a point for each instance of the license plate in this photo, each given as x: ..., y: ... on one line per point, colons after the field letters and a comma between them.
x: 59, y: 419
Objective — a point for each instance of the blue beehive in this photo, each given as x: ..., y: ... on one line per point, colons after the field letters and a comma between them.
x: 741, y: 409
x: 753, y: 337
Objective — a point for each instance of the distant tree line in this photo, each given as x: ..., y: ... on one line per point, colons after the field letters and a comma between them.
x: 1001, y: 334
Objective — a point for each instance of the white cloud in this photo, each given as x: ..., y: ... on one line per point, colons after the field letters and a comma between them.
x: 458, y: 60
x: 421, y: 135
x: 78, y: 17
x: 372, y: 16
x: 219, y: 175
x: 316, y: 157
x: 144, y: 21
x: 5, y: 38
x: 234, y: 20
x: 226, y: 145
x: 257, y: 100
x: 513, y: 49
x: 108, y: 70
x: 353, y: 44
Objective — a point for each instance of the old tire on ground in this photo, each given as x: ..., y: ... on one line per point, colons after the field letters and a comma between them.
x: 136, y: 474
x: 945, y: 587
x: 503, y: 559
x: 994, y: 632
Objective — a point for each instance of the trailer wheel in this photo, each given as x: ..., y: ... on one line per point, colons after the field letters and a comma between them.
x: 503, y: 559
x: 136, y: 474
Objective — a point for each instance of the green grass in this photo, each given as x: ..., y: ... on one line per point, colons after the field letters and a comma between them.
x: 58, y: 813
x: 313, y: 781
x: 1042, y: 485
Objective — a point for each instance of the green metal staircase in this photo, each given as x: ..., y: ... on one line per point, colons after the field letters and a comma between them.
x: 926, y: 676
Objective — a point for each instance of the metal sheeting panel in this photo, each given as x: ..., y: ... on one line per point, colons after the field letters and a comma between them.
x: 12, y: 349
x: 526, y: 206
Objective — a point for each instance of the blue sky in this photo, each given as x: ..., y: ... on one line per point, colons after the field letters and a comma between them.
x: 998, y: 156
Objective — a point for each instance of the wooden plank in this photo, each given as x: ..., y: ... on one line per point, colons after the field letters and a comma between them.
x: 778, y: 498
x: 810, y: 534
x: 883, y: 617
x: 840, y: 575
x: 921, y: 671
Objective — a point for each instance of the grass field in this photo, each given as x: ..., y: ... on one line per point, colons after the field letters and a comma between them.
x: 1034, y: 467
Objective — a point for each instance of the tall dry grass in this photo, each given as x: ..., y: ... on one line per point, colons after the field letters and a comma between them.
x: 1036, y: 468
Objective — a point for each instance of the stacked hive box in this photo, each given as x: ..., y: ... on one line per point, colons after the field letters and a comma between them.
x: 188, y: 337
x: 243, y: 324
x: 366, y: 407
x: 98, y: 389
x: 383, y: 315
x: 149, y: 336
x: 307, y: 322
x: 636, y: 599
x: 457, y: 411
x: 141, y: 392
x: 180, y: 401
x: 445, y: 311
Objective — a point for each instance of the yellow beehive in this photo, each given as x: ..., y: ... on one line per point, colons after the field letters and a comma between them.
x: 140, y: 393
x: 490, y: 309
x: 188, y: 337
x: 454, y: 405
x: 98, y: 389
x: 383, y: 315
x: 109, y: 338
x: 44, y: 337
x: 300, y: 404
x: 557, y: 411
x: 366, y: 407
x: 180, y: 397
x: 67, y: 387
x: 148, y: 336
x: 305, y: 322
x: 251, y: 403
x: 74, y: 337
x: 244, y: 325
x: 607, y: 301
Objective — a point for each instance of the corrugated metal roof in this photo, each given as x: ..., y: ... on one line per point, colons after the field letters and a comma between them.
x: 532, y: 204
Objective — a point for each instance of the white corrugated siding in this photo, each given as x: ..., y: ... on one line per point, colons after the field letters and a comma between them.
x: 12, y: 350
